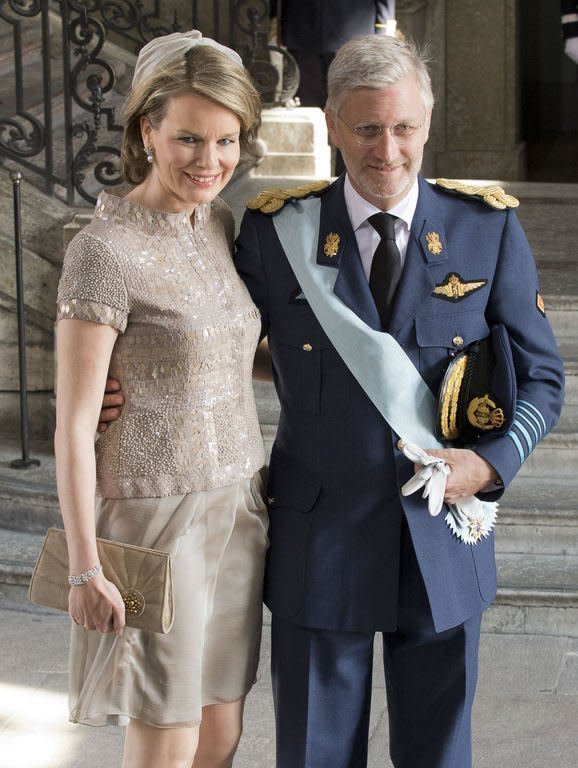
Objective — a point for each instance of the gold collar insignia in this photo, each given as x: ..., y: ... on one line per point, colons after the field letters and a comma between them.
x: 331, y: 245
x: 434, y: 244
x: 454, y: 288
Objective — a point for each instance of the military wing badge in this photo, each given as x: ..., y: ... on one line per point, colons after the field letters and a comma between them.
x: 454, y: 288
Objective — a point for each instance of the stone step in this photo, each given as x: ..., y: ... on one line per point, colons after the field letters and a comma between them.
x: 42, y: 235
x: 18, y: 553
x: 28, y: 506
x: 533, y: 611
x: 539, y: 516
x: 534, y: 597
x: 30, y: 31
x: 546, y: 209
x: 28, y: 500
x: 537, y: 594
x: 555, y: 457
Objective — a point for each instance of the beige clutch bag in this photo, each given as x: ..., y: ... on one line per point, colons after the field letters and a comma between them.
x: 142, y: 576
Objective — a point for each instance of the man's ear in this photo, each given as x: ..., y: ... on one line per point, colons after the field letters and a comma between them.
x: 331, y: 127
x: 427, y: 124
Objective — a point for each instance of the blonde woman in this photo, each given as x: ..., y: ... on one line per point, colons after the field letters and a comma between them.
x: 149, y: 292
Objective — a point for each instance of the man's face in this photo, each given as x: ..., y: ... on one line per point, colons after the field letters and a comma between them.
x: 382, y: 168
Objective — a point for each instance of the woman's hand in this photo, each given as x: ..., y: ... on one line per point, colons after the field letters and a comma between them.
x: 97, y: 605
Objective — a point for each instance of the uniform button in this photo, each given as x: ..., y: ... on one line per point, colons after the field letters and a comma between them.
x: 457, y: 341
x: 270, y: 499
x: 307, y: 347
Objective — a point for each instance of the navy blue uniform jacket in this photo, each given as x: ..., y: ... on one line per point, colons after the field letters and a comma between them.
x: 335, y: 470
x: 325, y: 25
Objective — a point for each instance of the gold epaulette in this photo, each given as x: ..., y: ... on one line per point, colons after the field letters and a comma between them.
x: 272, y: 200
x: 492, y: 194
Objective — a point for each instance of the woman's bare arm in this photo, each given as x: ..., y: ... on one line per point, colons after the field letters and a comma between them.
x: 83, y: 356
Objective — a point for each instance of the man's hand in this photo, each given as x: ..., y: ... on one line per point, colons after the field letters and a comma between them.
x: 112, y: 403
x: 470, y: 473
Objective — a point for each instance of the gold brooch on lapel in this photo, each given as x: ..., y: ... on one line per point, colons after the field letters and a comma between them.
x: 541, y: 307
x: 331, y: 244
x: 455, y: 289
x: 434, y: 244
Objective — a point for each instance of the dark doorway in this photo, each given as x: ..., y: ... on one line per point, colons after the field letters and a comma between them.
x: 549, y: 108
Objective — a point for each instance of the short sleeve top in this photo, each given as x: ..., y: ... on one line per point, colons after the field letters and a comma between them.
x: 187, y: 336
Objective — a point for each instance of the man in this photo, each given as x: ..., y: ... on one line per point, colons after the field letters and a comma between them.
x: 313, y: 31
x: 349, y: 556
x: 570, y: 28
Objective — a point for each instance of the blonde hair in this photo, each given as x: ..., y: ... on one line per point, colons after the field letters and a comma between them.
x: 202, y: 70
x: 376, y: 61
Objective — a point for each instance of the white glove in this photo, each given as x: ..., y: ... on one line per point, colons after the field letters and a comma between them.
x: 470, y: 519
x: 571, y: 48
x: 432, y: 477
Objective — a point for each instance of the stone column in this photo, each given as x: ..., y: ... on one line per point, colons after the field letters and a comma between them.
x: 474, y: 50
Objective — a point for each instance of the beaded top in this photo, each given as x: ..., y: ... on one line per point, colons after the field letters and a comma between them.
x: 184, y: 354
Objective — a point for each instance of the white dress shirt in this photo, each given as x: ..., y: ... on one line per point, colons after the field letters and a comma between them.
x: 360, y: 210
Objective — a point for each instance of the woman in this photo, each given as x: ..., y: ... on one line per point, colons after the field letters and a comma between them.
x: 149, y: 292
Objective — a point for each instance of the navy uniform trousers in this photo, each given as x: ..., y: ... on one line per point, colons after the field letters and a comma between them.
x: 322, y: 684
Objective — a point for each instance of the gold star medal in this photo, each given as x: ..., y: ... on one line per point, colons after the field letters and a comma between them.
x: 434, y: 244
x: 331, y: 245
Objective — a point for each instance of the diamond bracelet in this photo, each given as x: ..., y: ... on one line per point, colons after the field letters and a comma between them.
x: 84, y: 578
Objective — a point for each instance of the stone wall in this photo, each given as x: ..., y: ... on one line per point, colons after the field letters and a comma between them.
x: 474, y: 51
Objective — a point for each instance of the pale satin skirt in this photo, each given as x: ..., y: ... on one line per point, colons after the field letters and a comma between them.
x: 217, y: 540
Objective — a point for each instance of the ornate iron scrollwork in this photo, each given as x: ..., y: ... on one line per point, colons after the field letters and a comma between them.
x: 21, y: 134
x: 91, y: 138
x: 129, y: 19
x: 274, y: 70
x: 91, y: 78
x: 21, y: 139
x: 27, y: 8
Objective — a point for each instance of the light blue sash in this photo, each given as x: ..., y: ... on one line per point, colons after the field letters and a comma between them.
x: 375, y: 359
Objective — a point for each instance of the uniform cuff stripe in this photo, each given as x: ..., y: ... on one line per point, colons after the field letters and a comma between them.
x: 514, y: 439
x: 537, y: 412
x: 531, y: 421
x: 524, y: 432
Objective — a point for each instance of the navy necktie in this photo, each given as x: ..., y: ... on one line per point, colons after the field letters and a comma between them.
x: 385, y: 267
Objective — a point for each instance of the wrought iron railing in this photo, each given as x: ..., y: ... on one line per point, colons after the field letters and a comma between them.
x: 68, y: 135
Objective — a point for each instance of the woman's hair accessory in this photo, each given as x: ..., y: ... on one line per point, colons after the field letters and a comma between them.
x: 167, y: 48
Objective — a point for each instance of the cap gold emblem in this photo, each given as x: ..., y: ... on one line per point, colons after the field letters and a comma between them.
x: 331, y: 245
x: 483, y: 414
x: 434, y: 244
x: 454, y: 288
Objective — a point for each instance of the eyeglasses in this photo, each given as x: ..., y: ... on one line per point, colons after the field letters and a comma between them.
x: 369, y: 134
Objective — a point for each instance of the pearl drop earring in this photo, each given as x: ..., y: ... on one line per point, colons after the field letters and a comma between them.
x: 149, y: 154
